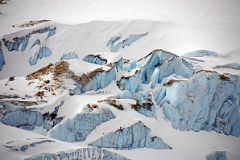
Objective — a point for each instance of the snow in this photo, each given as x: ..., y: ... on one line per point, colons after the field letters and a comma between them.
x: 189, y: 103
x: 108, y: 56
x: 84, y: 67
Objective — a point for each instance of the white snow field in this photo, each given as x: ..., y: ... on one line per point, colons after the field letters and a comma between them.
x: 119, y: 80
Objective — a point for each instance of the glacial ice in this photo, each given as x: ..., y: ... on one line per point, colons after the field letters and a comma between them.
x: 95, y: 59
x: 155, y: 59
x: 77, y: 128
x: 115, y: 44
x: 105, y: 58
x: 218, y: 155
x: 144, y: 104
x: 176, y: 65
x: 135, y: 136
x: 36, y: 42
x: 200, y: 53
x: 68, y: 56
x: 24, y: 145
x: 90, y: 153
x: 43, y: 52
x: 207, y: 101
x: 127, y: 66
x: 99, y: 81
x: 235, y: 66
x: 131, y: 81
x: 27, y: 119
x: 2, y: 60
x: 113, y: 40
x: 21, y: 43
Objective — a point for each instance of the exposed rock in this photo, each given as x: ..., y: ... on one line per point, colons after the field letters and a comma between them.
x: 33, y: 23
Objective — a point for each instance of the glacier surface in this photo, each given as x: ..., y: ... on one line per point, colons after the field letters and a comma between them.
x: 217, y: 155
x: 135, y: 136
x: 90, y: 153
x: 207, y: 101
x: 77, y: 128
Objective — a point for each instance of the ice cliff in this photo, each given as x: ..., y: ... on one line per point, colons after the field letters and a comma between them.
x: 144, y: 103
x: 218, y: 155
x: 90, y: 153
x: 19, y: 116
x: 96, y: 80
x: 2, y: 60
x: 135, y: 136
x: 207, y: 101
x: 105, y: 58
x: 20, y: 43
x: 131, y: 81
x: 43, y: 52
x: 201, y: 53
x: 77, y: 128
x: 117, y: 42
x: 160, y: 64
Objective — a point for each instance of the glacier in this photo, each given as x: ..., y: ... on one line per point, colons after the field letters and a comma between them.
x: 131, y: 81
x: 201, y: 53
x: 153, y: 60
x: 77, y: 128
x: 144, y: 103
x: 160, y: 64
x: 235, y: 66
x: 105, y: 58
x: 21, y: 43
x: 25, y: 145
x: 68, y: 56
x: 176, y: 65
x: 129, y: 65
x: 36, y: 42
x: 115, y: 44
x: 41, y: 53
x: 207, y: 101
x: 19, y: 116
x: 2, y: 60
x: 218, y: 155
x: 90, y: 153
x: 98, y: 81
x: 135, y: 136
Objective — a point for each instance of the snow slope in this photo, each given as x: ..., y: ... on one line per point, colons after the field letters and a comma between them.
x: 103, y: 80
